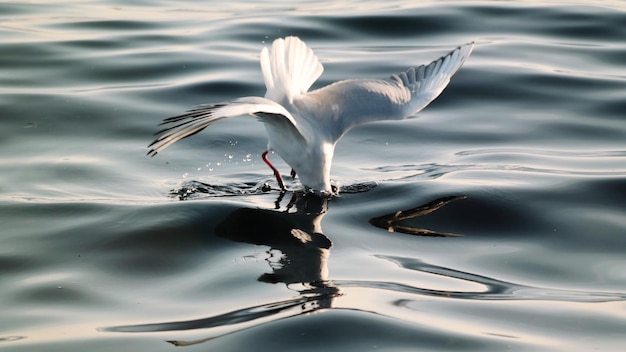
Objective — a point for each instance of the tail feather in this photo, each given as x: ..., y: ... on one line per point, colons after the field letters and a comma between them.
x: 289, y: 69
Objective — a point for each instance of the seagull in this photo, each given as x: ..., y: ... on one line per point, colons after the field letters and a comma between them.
x: 303, y: 127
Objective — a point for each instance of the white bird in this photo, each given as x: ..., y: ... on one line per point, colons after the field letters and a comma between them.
x: 304, y: 127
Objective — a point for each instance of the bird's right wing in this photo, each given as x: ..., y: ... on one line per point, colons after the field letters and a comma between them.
x: 197, y: 119
x: 349, y: 103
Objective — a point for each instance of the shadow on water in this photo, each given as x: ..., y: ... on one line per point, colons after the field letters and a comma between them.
x: 393, y: 222
x: 299, y: 259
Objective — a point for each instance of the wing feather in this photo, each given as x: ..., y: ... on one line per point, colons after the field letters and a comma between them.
x: 289, y: 69
x: 349, y: 103
x: 197, y: 119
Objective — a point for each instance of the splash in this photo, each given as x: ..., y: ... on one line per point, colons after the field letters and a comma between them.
x: 191, y: 190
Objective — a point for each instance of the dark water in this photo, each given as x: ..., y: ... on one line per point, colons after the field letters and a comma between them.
x: 517, y: 173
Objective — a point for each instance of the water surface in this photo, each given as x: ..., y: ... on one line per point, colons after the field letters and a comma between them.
x: 517, y: 174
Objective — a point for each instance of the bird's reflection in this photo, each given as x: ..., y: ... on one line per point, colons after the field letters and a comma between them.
x: 299, y: 248
x: 298, y: 256
x: 299, y: 253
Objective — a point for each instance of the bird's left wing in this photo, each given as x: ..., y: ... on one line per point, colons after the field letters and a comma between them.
x: 197, y: 119
x: 346, y: 104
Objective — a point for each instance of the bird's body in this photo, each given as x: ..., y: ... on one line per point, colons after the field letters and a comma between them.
x: 304, y: 127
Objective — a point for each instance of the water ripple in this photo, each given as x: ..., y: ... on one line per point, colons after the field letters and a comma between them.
x: 569, y: 164
x: 494, y: 289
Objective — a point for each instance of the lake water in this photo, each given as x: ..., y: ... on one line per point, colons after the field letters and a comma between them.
x: 513, y: 182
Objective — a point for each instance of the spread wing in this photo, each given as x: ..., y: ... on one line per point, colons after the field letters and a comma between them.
x: 346, y: 104
x: 197, y: 119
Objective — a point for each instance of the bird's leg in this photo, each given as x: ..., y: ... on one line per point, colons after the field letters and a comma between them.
x: 279, y: 178
x: 293, y: 173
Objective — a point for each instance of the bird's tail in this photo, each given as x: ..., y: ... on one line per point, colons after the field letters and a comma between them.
x: 289, y: 68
